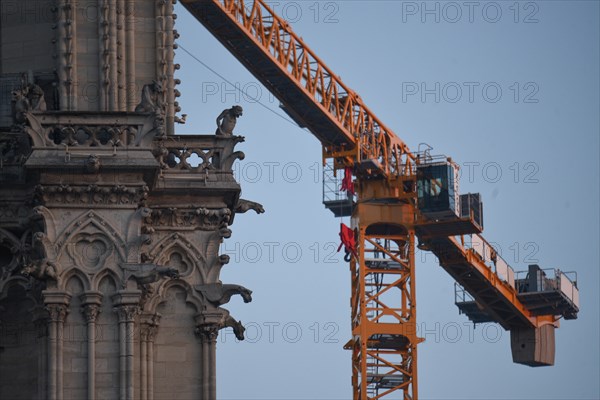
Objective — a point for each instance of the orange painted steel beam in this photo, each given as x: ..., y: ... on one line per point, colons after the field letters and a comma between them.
x: 503, y: 289
x: 268, y: 48
x: 383, y: 311
x: 353, y: 136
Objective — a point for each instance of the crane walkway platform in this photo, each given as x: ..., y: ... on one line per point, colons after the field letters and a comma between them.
x: 492, y: 291
x: 487, y: 290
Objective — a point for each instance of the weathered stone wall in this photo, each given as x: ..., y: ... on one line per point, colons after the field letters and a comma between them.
x: 26, y: 37
x: 19, y: 346
x: 110, y: 224
x: 90, y: 55
x: 110, y: 255
x: 107, y: 343
x: 177, y: 367
x: 75, y: 345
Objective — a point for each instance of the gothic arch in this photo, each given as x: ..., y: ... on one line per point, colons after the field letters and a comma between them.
x: 71, y: 273
x: 91, y: 218
x: 160, y: 297
x: 178, y: 243
x: 105, y: 273
x: 16, y: 280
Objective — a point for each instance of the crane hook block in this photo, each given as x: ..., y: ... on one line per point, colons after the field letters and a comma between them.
x: 348, y: 239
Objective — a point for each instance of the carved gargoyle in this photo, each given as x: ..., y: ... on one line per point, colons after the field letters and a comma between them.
x: 40, y: 269
x: 243, y: 206
x: 218, y: 294
x: 20, y: 106
x: 33, y: 255
x: 151, y: 98
x: 35, y: 95
x: 28, y: 98
x: 145, y: 274
x: 238, y: 328
x: 227, y: 119
x: 92, y: 164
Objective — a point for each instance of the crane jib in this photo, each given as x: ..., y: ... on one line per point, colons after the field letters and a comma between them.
x: 400, y: 196
x: 309, y: 91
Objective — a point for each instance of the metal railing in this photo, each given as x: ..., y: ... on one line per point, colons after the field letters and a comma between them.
x: 491, y: 258
x: 461, y: 295
x: 551, y: 280
x: 332, y: 183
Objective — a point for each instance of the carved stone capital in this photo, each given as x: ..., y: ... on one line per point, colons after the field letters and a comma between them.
x: 127, y: 304
x: 56, y: 305
x: 127, y: 313
x: 90, y: 312
x: 148, y: 332
x: 207, y: 333
x: 57, y: 312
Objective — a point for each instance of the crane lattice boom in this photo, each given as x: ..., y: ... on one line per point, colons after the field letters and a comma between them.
x: 400, y: 196
x: 311, y: 93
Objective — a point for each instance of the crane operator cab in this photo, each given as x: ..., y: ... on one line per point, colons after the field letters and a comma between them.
x: 445, y: 211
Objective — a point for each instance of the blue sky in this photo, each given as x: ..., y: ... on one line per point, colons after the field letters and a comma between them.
x: 510, y: 91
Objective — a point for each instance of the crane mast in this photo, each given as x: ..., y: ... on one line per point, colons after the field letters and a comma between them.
x: 400, y: 196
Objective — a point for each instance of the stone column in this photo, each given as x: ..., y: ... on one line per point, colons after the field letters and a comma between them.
x: 148, y: 330
x: 170, y: 58
x: 61, y: 51
x: 40, y: 320
x: 91, y: 303
x: 57, y: 306
x: 103, y: 55
x: 71, y: 36
x: 208, y: 338
x: 121, y: 58
x: 126, y: 304
x: 130, y: 54
x: 1, y: 331
x: 113, y: 89
x: 161, y: 58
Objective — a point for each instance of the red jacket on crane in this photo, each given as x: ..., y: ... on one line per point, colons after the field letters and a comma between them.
x: 347, y: 184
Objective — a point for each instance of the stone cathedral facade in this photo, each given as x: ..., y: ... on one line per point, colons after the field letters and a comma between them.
x: 110, y: 223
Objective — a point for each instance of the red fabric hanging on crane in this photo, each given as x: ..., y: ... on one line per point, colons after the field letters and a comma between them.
x: 348, y: 241
x: 347, y: 184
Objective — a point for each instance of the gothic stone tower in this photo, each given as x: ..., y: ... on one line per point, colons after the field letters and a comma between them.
x: 110, y: 223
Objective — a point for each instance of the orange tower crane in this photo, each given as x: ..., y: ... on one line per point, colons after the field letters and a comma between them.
x: 399, y: 196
